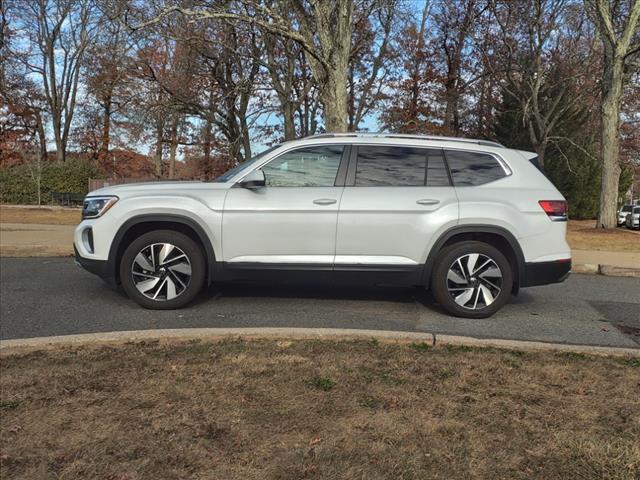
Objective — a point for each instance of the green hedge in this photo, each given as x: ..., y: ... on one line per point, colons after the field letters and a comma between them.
x: 18, y: 186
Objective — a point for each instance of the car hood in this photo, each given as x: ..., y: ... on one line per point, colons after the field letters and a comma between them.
x: 157, y: 187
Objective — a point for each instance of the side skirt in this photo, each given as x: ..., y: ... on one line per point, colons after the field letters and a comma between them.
x: 400, y: 275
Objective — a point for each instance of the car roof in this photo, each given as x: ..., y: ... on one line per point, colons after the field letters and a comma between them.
x: 399, y: 138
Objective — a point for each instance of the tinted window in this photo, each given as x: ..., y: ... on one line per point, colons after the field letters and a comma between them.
x: 471, y: 168
x: 636, y: 210
x: 437, y: 175
x: 305, y: 167
x: 380, y: 166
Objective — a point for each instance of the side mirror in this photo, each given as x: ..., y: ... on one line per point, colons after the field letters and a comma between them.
x: 254, y: 180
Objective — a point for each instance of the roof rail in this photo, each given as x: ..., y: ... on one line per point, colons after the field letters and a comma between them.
x: 487, y: 143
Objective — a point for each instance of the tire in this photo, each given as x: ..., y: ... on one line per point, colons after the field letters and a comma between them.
x: 171, y: 264
x: 479, y: 295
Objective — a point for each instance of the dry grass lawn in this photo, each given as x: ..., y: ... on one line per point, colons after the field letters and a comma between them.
x: 48, y: 216
x: 318, y: 410
x: 583, y: 236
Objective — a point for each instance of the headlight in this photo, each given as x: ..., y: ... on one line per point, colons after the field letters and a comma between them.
x: 95, y: 207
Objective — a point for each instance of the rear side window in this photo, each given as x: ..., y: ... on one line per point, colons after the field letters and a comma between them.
x: 472, y: 168
x: 382, y: 166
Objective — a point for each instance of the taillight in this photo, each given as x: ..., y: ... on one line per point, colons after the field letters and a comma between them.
x: 556, y: 209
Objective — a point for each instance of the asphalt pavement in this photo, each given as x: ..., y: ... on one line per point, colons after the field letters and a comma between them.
x: 51, y: 296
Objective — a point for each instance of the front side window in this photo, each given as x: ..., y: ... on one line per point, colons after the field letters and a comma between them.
x: 383, y: 166
x: 305, y: 167
x: 472, y: 168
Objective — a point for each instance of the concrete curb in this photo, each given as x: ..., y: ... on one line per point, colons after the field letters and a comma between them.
x: 8, y: 347
x: 606, y: 270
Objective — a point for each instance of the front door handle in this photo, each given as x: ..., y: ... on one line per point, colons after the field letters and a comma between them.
x: 325, y: 201
x: 428, y: 201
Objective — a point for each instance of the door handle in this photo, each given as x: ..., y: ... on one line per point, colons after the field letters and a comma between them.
x: 325, y: 201
x: 428, y: 201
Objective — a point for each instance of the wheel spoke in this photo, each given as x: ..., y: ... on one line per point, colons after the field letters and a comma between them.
x: 479, y: 269
x: 147, y: 285
x: 456, y: 277
x: 165, y: 251
x: 493, y: 272
x: 463, y: 298
x: 171, y: 288
x: 142, y: 261
x: 487, y: 295
x: 174, y: 259
x: 472, y: 259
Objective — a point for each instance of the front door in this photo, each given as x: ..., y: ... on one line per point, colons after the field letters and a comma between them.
x: 291, y: 222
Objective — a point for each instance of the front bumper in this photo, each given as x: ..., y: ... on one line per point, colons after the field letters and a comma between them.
x: 100, y: 268
x: 544, y: 273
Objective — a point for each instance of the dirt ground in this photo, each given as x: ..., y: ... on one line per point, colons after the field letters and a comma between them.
x: 318, y: 410
x: 582, y: 235
x: 48, y: 216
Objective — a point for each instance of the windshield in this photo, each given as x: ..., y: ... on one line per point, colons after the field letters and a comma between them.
x: 626, y: 208
x: 636, y: 210
x: 229, y: 174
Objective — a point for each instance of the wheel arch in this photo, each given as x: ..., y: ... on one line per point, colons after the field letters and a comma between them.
x: 499, y: 237
x: 141, y: 224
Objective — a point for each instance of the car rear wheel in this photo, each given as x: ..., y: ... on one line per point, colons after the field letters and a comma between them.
x: 471, y: 279
x: 162, y: 270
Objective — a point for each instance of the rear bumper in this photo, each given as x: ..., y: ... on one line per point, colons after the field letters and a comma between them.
x: 97, y: 267
x: 544, y: 273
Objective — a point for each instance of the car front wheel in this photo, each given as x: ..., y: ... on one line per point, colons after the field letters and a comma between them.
x: 162, y: 270
x: 472, y: 280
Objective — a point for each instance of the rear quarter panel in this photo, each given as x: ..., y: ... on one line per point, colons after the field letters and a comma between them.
x: 512, y: 203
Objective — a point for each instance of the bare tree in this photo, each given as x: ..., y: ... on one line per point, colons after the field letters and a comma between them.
x: 323, y: 28
x: 542, y: 62
x: 617, y: 32
x: 59, y: 32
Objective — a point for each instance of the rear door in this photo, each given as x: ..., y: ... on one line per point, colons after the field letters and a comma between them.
x: 396, y: 199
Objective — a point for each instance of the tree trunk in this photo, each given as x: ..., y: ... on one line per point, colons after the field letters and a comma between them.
x: 158, y: 155
x: 207, y: 168
x: 611, y: 98
x: 106, y: 129
x: 173, y: 148
x: 288, y: 110
x: 42, y: 137
x: 334, y: 99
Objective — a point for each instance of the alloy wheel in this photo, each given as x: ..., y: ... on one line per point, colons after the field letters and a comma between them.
x: 161, y: 271
x: 474, y: 281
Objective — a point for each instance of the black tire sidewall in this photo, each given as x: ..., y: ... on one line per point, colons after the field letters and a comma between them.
x: 187, y: 245
x: 439, y: 278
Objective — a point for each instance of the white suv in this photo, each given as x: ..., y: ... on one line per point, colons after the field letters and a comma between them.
x: 469, y: 219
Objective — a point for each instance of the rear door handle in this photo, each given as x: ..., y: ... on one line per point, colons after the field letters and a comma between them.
x: 428, y: 201
x: 325, y: 201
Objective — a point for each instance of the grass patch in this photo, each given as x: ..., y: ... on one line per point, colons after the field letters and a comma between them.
x: 240, y: 409
x: 369, y: 402
x: 632, y: 362
x: 421, y: 347
x: 322, y: 383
